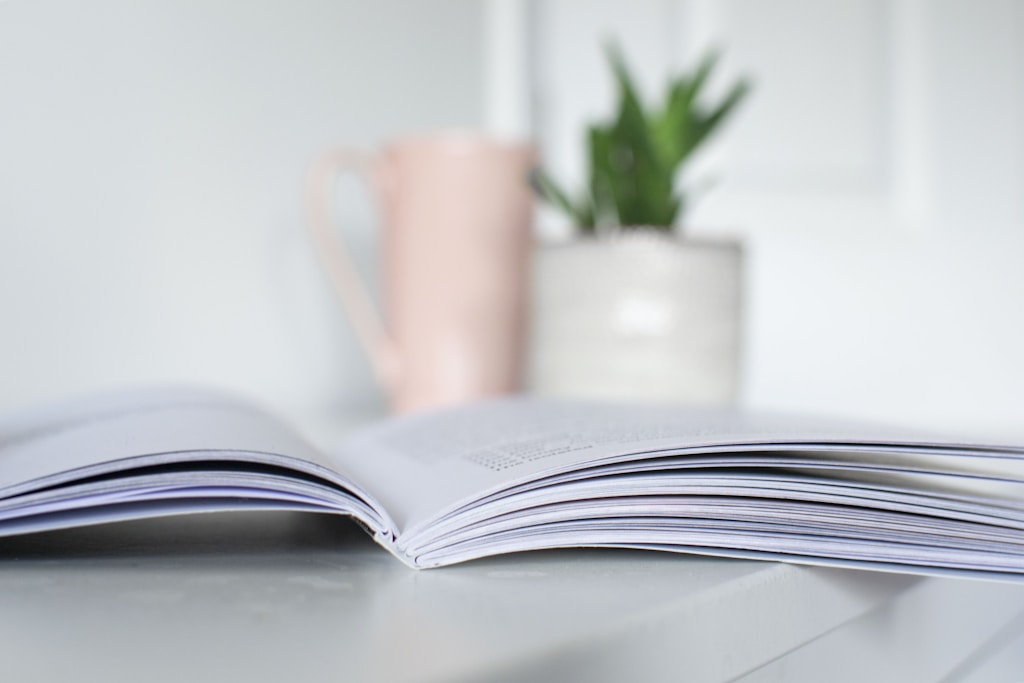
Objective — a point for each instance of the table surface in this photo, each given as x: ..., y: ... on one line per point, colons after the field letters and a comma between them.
x: 271, y: 596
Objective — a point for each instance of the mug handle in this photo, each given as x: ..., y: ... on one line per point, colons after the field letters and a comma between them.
x: 337, y: 261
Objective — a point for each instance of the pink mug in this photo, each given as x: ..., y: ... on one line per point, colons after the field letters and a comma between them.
x: 456, y: 213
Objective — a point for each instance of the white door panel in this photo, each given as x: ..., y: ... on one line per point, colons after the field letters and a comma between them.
x: 978, y: 66
x: 817, y: 119
x: 877, y: 172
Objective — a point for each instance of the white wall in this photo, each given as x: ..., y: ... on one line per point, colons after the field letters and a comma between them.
x: 877, y: 175
x: 152, y: 155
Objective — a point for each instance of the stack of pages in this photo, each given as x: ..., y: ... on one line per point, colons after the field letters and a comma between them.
x: 522, y: 474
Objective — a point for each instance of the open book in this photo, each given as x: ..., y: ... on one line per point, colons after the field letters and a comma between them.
x: 520, y: 474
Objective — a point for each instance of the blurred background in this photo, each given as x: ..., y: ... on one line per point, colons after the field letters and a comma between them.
x: 153, y: 155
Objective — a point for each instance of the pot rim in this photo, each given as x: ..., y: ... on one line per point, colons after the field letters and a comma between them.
x: 647, y: 236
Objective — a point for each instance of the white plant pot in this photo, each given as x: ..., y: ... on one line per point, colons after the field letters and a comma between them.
x: 638, y: 315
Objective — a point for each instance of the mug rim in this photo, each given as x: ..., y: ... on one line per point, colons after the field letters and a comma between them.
x: 459, y: 140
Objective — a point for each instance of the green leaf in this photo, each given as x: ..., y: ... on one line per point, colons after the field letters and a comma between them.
x: 640, y: 180
x: 549, y: 190
x: 601, y: 196
x: 678, y: 126
x: 636, y: 156
x: 696, y: 82
x: 720, y: 113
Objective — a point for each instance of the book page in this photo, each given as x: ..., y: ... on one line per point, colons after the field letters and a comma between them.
x: 37, y: 445
x: 424, y: 465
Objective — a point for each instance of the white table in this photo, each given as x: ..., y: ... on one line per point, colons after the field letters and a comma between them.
x: 274, y: 597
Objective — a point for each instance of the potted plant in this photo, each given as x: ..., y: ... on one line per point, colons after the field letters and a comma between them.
x: 634, y: 309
